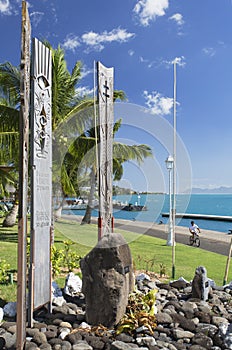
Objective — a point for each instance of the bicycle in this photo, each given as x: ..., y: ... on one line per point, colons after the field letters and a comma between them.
x: 194, y: 239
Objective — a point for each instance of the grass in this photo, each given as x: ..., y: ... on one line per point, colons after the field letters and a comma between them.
x: 149, y: 253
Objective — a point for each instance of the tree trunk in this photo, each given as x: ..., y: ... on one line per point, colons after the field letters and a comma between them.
x: 57, y: 211
x: 10, y: 219
x: 88, y: 213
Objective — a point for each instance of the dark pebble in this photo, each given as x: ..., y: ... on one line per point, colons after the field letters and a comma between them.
x: 50, y: 334
x: 73, y: 338
x: 30, y: 346
x: 124, y: 338
x: 2, y: 343
x: 45, y: 346
x: 39, y: 338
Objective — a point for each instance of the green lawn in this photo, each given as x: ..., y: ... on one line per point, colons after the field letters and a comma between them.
x: 147, y: 252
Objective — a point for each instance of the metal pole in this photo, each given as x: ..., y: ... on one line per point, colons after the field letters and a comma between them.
x: 174, y: 171
x: 170, y: 233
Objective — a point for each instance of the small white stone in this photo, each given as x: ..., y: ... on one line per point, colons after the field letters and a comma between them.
x: 64, y: 333
x: 85, y: 325
x: 141, y: 329
x: 142, y: 277
x: 58, y: 301
x: 1, y: 314
x: 73, y: 284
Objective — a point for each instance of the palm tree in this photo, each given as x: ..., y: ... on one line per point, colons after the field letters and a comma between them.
x: 9, y: 113
x: 9, y: 126
x: 87, y: 159
x: 65, y: 102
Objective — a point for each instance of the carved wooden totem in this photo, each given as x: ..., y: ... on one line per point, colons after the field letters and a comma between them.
x: 106, y: 119
x: 41, y: 177
x: 23, y: 175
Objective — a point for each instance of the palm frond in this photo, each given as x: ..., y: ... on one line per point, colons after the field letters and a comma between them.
x: 117, y: 125
x: 125, y: 152
x: 9, y: 147
x: 67, y: 186
x: 9, y: 118
x: 119, y: 95
x: 10, y: 82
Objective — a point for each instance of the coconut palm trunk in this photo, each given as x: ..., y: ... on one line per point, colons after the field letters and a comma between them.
x: 88, y: 213
x: 57, y: 212
x: 10, y: 219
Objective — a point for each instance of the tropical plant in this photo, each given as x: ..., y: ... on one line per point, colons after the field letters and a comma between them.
x: 64, y: 259
x: 4, y: 270
x: 57, y: 257
x: 81, y: 159
x: 140, y: 312
x: 9, y: 132
x: 71, y: 259
x: 9, y: 113
x: 67, y: 106
x: 7, y: 179
x: 65, y: 102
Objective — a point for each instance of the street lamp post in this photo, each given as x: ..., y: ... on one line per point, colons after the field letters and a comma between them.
x: 169, y: 165
x: 174, y: 170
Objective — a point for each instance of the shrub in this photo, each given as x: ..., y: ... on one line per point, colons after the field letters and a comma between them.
x: 4, y: 268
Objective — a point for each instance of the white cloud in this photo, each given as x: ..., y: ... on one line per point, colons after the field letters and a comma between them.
x: 84, y: 91
x: 85, y: 71
x: 96, y: 41
x: 36, y: 18
x: 131, y: 52
x: 71, y: 42
x: 178, y: 18
x: 209, y: 51
x: 158, y: 104
x: 148, y: 10
x: 54, y: 13
x: 5, y: 7
x: 143, y: 60
x: 148, y: 63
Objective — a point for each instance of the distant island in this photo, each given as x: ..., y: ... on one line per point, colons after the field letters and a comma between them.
x: 117, y: 190
x: 216, y: 190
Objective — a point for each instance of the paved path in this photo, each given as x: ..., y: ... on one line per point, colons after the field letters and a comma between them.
x: 213, y: 241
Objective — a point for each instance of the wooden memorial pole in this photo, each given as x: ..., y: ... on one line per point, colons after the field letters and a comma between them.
x: 228, y: 263
x: 41, y: 178
x: 23, y: 177
x: 106, y: 118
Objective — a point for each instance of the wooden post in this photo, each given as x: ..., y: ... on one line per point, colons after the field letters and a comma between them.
x: 41, y: 178
x: 23, y: 177
x: 228, y: 264
x: 106, y: 111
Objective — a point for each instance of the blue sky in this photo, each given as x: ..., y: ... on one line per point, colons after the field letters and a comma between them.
x: 140, y: 39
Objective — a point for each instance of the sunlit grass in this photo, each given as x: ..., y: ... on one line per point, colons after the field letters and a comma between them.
x: 147, y: 253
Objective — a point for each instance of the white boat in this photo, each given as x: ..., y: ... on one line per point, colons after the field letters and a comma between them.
x: 74, y: 204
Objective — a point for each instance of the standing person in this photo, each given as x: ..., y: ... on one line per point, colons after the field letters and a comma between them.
x: 194, y: 229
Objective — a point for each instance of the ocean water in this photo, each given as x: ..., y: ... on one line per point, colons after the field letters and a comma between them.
x: 211, y: 204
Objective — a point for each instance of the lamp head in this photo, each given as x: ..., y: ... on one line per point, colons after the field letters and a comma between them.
x: 169, y: 162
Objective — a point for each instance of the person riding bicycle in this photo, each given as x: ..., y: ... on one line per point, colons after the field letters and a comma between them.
x: 194, y: 229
